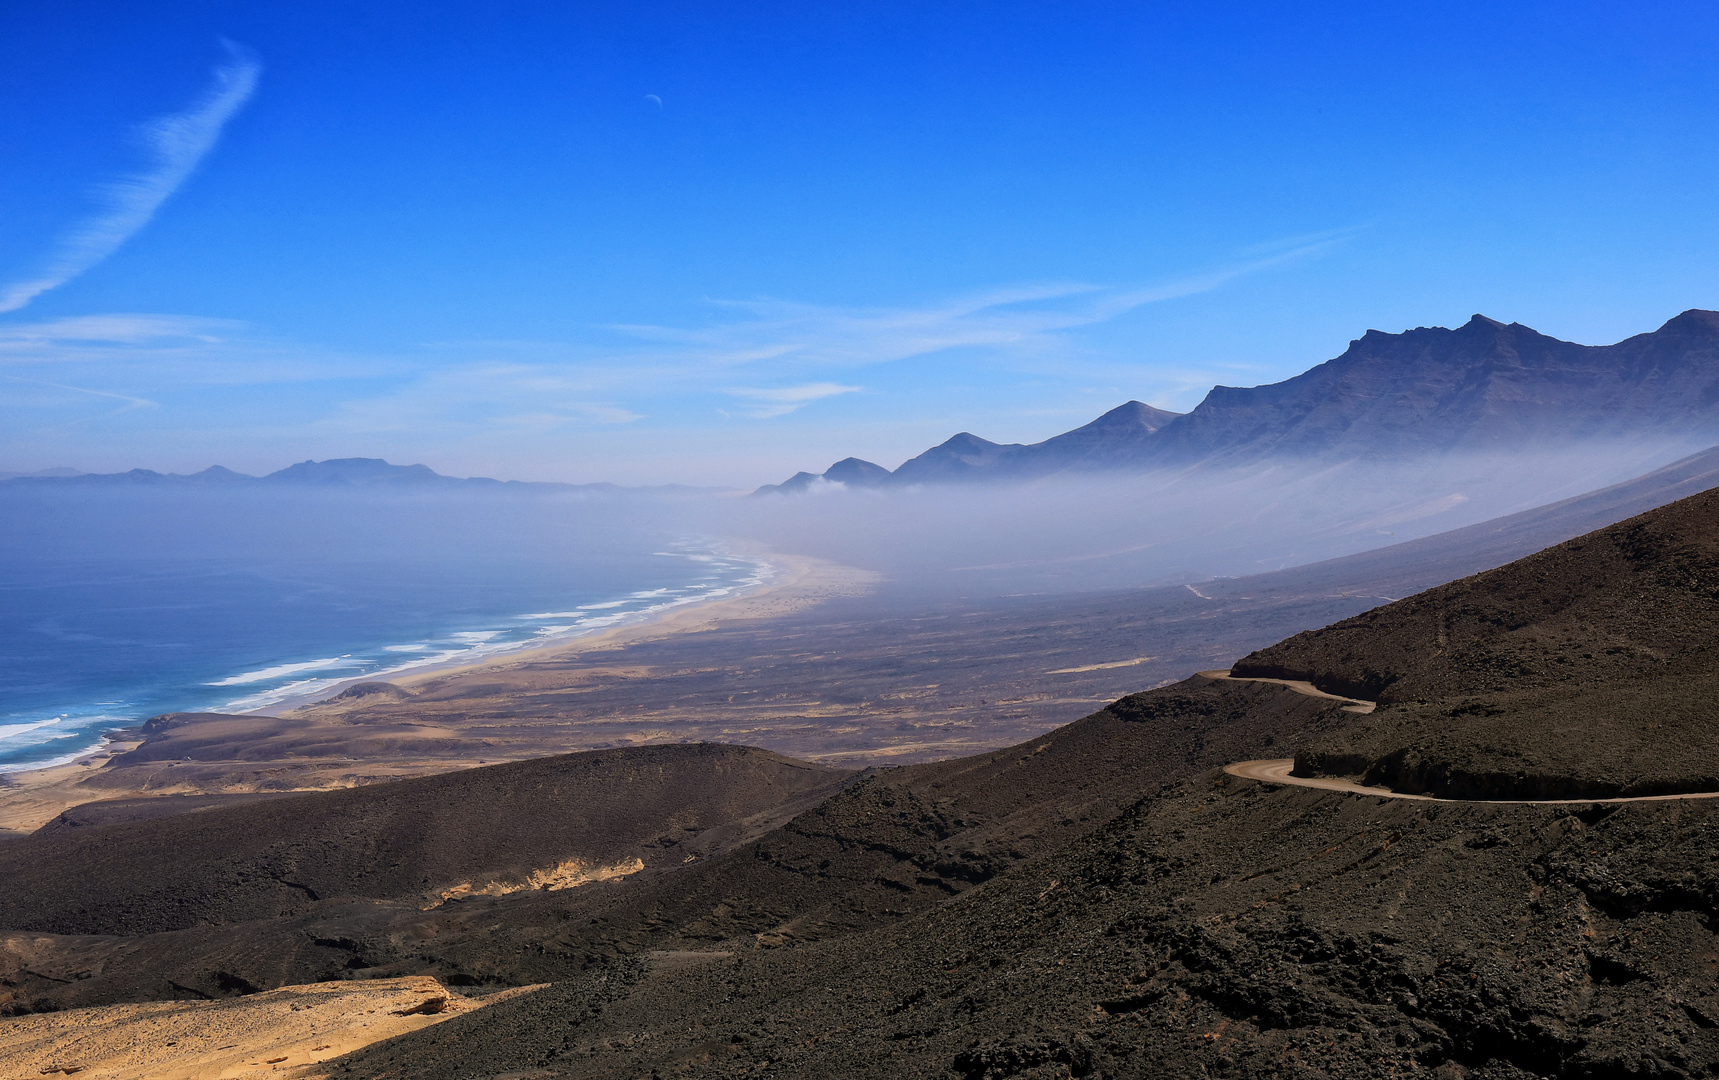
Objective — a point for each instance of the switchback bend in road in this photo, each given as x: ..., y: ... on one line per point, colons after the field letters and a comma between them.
x: 1277, y: 770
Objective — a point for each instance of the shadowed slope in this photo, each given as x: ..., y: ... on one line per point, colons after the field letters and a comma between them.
x: 410, y: 840
x: 1096, y: 902
x: 1223, y: 927
x: 892, y: 843
x: 1588, y: 669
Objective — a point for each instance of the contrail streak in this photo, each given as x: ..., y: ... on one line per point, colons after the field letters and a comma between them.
x: 178, y: 142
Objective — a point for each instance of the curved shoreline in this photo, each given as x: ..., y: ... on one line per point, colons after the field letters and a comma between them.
x: 795, y: 582
x: 29, y: 797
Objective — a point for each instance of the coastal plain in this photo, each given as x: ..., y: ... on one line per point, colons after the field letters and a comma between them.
x: 969, y: 869
x: 825, y: 663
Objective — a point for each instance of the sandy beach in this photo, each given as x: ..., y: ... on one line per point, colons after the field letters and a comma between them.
x: 296, y: 745
x: 792, y: 583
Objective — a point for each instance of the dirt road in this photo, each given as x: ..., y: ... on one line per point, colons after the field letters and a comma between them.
x: 1354, y: 705
x: 1276, y: 771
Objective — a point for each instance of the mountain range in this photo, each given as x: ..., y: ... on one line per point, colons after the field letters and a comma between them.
x: 1485, y: 385
x: 333, y: 473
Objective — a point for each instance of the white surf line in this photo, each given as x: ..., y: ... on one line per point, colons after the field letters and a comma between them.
x: 1277, y: 771
x: 1300, y: 686
x: 481, y: 651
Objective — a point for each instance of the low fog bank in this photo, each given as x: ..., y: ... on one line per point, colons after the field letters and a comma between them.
x: 1057, y: 534
x: 47, y: 523
x: 1173, y: 526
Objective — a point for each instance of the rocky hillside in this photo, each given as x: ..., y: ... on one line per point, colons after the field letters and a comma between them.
x: 1586, y: 670
x: 409, y: 841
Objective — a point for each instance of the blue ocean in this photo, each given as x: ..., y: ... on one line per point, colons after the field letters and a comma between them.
x: 118, y: 607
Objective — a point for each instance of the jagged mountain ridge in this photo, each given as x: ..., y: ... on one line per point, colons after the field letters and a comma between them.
x: 1106, y: 442
x: 1482, y: 386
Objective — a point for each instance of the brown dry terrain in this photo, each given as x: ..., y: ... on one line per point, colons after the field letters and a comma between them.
x: 849, y: 680
x: 290, y: 1031
x: 345, y: 884
x: 1101, y: 900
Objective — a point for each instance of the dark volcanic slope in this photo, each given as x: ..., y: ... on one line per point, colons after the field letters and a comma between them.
x: 1587, y: 669
x: 1220, y: 927
x: 1217, y: 929
x: 895, y: 842
x: 407, y: 840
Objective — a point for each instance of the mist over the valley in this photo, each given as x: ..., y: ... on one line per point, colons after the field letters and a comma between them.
x: 1180, y: 525
x: 1062, y: 533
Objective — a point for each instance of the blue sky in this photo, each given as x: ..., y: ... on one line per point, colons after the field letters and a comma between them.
x: 716, y: 244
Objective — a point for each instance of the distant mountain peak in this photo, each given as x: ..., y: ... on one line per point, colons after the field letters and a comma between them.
x: 1133, y: 414
x: 1697, y: 321
x: 965, y: 442
x: 857, y: 472
x: 355, y: 470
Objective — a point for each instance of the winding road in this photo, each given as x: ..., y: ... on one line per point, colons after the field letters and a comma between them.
x: 1354, y: 705
x: 1277, y: 770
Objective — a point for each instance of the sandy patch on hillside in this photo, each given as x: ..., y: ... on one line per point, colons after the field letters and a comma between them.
x: 29, y: 800
x: 566, y: 875
x: 282, y: 1033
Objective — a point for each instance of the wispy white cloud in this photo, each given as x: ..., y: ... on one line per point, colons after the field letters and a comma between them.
x: 1018, y: 321
x: 654, y: 389
x: 782, y: 400
x: 176, y: 351
x: 177, y: 143
x: 127, y: 401
x: 492, y: 396
x: 73, y: 338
